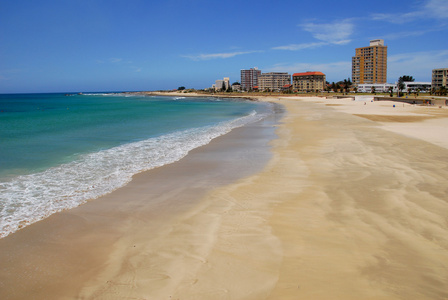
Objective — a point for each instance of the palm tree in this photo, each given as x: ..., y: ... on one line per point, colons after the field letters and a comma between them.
x: 391, y: 91
x: 345, y: 85
x: 400, y: 88
x: 333, y: 87
x: 406, y: 78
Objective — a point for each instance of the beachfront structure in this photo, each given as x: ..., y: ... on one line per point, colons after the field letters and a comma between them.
x: 414, y: 86
x: 410, y: 86
x: 249, y: 78
x: 273, y: 81
x: 439, y: 78
x: 236, y: 87
x: 218, y: 84
x: 369, y: 65
x: 308, y: 81
x: 377, y: 87
x: 287, y: 88
x: 227, y: 83
x: 222, y: 84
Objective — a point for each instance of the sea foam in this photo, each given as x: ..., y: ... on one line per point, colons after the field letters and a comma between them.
x: 27, y: 199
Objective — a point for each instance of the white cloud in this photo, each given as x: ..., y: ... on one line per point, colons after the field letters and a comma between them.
x: 342, y: 42
x: 333, y: 33
x: 405, y: 34
x: 416, y: 64
x: 414, y: 33
x: 217, y: 55
x: 295, y: 47
x: 396, y: 18
x: 336, y: 33
x: 435, y: 9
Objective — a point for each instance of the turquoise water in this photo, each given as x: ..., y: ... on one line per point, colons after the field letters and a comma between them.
x: 58, y: 151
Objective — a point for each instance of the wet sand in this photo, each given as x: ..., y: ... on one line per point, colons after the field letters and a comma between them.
x: 56, y: 257
x: 349, y: 206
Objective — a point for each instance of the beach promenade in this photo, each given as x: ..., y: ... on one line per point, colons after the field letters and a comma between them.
x: 351, y: 204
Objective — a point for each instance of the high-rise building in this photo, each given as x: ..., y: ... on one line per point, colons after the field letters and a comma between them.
x: 227, y: 83
x: 249, y: 78
x: 273, y: 81
x: 222, y: 84
x: 219, y: 85
x: 439, y: 78
x: 309, y: 81
x: 369, y: 65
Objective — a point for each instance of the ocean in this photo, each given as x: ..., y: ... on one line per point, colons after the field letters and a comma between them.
x: 58, y: 151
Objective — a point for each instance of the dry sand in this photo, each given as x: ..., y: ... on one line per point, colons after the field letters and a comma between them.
x: 353, y: 204
x: 344, y: 210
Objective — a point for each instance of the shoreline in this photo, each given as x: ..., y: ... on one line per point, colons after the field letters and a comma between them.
x: 352, y: 204
x: 71, y: 241
x: 62, y: 171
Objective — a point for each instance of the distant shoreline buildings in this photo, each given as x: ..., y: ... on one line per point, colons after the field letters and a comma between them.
x: 439, y: 78
x: 253, y: 79
x: 412, y: 86
x: 249, y: 79
x: 369, y: 73
x: 222, y: 84
x: 309, y: 81
x: 273, y: 81
x: 369, y: 65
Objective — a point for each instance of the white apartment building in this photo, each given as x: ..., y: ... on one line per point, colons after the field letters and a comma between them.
x: 385, y: 87
x: 379, y: 87
x: 273, y: 81
x: 417, y: 85
x: 221, y: 84
x: 439, y: 78
x: 236, y: 87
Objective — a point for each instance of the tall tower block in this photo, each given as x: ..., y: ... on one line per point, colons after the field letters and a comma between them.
x: 369, y: 65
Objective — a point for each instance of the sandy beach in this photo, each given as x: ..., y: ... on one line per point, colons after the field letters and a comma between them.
x: 348, y: 201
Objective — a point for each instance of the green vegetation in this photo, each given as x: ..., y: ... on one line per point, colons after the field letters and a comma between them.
x: 442, y: 91
x: 406, y: 78
x: 401, y: 80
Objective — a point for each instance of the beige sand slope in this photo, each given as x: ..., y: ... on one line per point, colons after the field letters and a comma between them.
x: 344, y: 210
x: 427, y: 123
x: 352, y: 205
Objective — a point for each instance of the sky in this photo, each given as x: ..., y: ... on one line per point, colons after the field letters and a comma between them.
x: 137, y: 45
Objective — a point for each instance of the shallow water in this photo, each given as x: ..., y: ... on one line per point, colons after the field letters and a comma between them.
x: 59, y: 151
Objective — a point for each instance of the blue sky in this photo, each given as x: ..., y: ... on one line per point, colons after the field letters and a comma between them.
x: 131, y: 45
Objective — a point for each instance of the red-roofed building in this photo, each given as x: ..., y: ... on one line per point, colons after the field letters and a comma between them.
x: 308, y: 73
x: 287, y: 87
x: 309, y: 81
